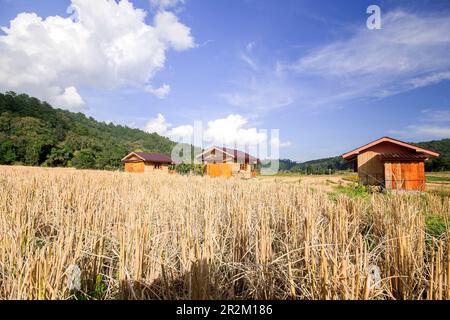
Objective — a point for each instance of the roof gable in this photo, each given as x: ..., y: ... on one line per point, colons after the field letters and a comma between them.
x: 235, y: 154
x: 402, y: 144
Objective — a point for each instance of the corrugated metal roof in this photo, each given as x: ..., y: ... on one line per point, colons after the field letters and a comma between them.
x: 402, y: 157
x: 237, y: 155
x: 152, y: 157
x: 214, y: 159
x: 240, y: 155
x: 350, y: 155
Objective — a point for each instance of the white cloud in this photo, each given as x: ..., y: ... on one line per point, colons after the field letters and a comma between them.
x: 230, y: 131
x: 285, y: 144
x: 275, y: 141
x: 157, y: 125
x: 104, y: 44
x: 69, y: 99
x: 429, y: 79
x: 432, y: 124
x: 160, y: 126
x: 165, y: 4
x: 436, y: 115
x: 172, y: 31
x: 181, y: 132
x: 409, y: 51
x: 421, y: 131
x: 160, y: 92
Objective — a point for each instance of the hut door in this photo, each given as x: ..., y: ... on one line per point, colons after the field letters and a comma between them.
x: 405, y: 175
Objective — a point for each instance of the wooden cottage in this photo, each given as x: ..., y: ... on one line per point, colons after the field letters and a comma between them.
x: 391, y: 163
x: 226, y: 162
x: 146, y: 162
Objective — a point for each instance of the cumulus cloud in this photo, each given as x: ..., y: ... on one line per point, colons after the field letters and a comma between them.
x: 158, y: 125
x: 69, y: 99
x: 410, y: 51
x: 104, y: 44
x: 172, y: 32
x: 230, y: 131
x: 181, y: 132
x: 160, y: 92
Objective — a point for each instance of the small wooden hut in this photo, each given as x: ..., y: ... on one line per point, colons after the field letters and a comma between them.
x: 226, y: 162
x: 391, y: 163
x: 142, y: 162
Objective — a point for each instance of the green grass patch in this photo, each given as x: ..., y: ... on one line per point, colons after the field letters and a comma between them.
x: 98, y: 291
x: 437, y: 179
x: 351, y: 178
x: 353, y: 191
x: 436, y: 226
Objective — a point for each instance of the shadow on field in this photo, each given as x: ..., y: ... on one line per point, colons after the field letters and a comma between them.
x: 195, y: 284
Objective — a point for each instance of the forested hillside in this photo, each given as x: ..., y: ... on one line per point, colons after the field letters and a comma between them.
x: 34, y: 133
x: 319, y: 166
x: 441, y: 163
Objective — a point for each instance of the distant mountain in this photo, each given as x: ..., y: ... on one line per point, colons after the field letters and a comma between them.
x: 34, y: 133
x: 319, y: 166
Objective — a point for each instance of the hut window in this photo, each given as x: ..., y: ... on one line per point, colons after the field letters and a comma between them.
x: 243, y: 166
x: 157, y: 166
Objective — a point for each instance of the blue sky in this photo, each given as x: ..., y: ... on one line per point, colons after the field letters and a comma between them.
x: 311, y: 69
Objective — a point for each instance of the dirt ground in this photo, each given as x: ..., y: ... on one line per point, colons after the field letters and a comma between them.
x: 442, y: 186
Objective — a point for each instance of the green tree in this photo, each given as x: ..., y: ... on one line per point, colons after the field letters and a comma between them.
x: 60, y: 156
x: 83, y: 159
x: 7, y: 152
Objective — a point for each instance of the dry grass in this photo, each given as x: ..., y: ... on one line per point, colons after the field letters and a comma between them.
x: 325, y: 183
x: 170, y: 237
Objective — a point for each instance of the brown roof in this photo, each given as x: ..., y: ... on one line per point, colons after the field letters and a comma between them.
x: 150, y: 157
x: 355, y: 152
x: 236, y: 154
x: 402, y: 157
x: 239, y: 154
x: 214, y: 159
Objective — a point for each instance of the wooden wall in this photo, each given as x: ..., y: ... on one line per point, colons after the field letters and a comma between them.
x: 370, y: 168
x: 147, y: 167
x: 405, y: 175
x: 150, y: 168
x: 219, y: 170
x: 134, y: 167
x: 229, y: 170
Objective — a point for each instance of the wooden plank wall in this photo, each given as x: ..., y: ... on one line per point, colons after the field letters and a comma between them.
x: 370, y: 168
x: 219, y: 170
x: 134, y: 167
x: 405, y: 175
